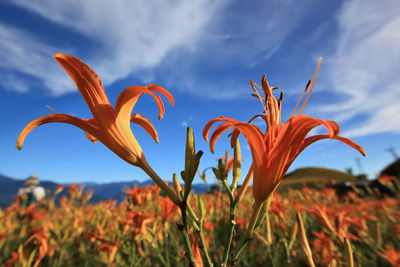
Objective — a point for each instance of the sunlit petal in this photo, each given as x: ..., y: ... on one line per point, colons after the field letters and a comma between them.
x: 160, y: 89
x: 64, y: 118
x: 89, y: 85
x: 146, y: 124
x: 255, y: 139
x: 128, y: 98
x: 209, y: 124
x: 308, y: 141
x: 217, y: 133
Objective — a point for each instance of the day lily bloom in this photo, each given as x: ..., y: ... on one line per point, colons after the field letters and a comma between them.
x: 109, y: 125
x: 274, y: 151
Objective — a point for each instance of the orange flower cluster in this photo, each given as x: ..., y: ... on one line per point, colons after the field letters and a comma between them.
x: 143, y: 227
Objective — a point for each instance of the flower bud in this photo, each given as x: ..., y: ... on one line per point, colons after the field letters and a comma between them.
x: 237, y: 163
x: 201, y: 207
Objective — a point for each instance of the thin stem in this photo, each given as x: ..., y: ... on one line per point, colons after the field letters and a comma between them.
x: 253, y: 220
x: 185, y: 235
x: 250, y: 229
x: 204, y: 246
x: 231, y: 230
x: 241, y: 247
x: 154, y: 176
x: 232, y: 224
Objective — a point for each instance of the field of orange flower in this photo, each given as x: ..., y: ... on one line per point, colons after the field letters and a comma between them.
x: 142, y: 230
x: 307, y: 227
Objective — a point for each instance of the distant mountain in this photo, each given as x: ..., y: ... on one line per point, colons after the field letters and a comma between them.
x: 9, y: 188
x: 101, y: 191
x: 105, y: 191
x: 315, y: 177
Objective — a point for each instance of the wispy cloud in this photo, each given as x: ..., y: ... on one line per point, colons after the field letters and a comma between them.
x: 241, y: 36
x: 184, y: 40
x: 365, y: 67
x: 22, y: 54
x: 131, y: 35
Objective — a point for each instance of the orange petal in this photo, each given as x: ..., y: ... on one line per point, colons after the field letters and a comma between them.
x: 217, y: 133
x: 255, y: 139
x: 158, y: 88
x: 123, y: 109
x: 209, y: 124
x: 88, y: 83
x: 82, y: 124
x: 294, y: 131
x: 89, y: 136
x: 146, y: 124
x: 290, y: 137
x: 308, y: 141
x: 128, y: 98
x: 332, y: 127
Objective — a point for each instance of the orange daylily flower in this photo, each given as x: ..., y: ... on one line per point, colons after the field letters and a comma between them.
x: 194, y: 240
x: 321, y: 214
x: 274, y: 151
x: 109, y: 125
x: 13, y: 260
x: 167, y: 209
x: 391, y: 255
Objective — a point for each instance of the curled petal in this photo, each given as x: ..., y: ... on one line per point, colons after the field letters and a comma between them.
x: 332, y: 127
x: 263, y: 116
x: 294, y: 131
x: 308, y: 141
x: 255, y: 139
x: 128, y: 98
x: 146, y: 124
x: 82, y: 124
x: 290, y: 137
x: 123, y: 109
x: 160, y: 89
x: 209, y: 124
x: 217, y: 133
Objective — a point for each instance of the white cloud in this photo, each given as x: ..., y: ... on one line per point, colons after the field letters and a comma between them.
x: 22, y: 53
x: 365, y: 67
x: 131, y: 35
x: 134, y: 37
x: 242, y: 36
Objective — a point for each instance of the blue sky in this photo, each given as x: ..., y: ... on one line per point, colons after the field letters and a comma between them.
x: 204, y: 52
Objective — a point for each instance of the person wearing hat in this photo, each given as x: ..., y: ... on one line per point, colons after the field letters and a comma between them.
x: 31, y: 190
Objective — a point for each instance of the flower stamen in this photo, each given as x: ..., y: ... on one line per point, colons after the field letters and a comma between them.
x: 312, y: 86
x: 301, y: 97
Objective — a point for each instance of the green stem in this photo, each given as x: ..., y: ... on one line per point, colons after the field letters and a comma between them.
x: 230, y: 236
x: 253, y: 220
x: 186, y: 237
x: 241, y: 247
x: 232, y: 224
x: 203, y: 244
x: 250, y: 229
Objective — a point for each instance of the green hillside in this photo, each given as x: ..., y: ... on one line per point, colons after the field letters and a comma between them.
x: 314, y: 177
